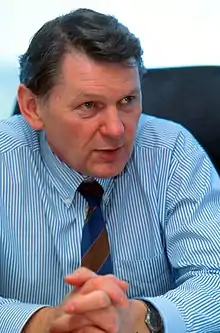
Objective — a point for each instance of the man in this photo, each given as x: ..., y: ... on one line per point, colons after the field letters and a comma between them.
x: 141, y: 257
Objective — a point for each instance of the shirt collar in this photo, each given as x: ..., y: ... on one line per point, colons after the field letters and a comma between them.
x: 65, y: 179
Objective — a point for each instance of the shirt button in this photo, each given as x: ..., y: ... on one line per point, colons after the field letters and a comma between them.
x: 105, y: 197
x: 67, y: 201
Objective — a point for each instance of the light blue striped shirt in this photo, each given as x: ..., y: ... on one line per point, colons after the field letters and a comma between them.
x: 163, y: 220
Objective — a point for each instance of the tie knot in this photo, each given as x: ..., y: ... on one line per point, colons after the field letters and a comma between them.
x: 91, y: 191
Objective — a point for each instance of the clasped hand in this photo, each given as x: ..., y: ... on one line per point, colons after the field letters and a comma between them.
x: 96, y: 304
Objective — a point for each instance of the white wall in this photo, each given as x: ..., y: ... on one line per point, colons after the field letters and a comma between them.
x: 173, y: 32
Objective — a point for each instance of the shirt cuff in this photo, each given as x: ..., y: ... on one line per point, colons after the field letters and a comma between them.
x: 172, y: 320
x: 14, y: 316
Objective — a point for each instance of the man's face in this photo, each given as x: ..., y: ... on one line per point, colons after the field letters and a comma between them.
x: 92, y: 113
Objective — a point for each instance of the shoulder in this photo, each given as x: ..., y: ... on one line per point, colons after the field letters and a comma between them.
x: 160, y: 134
x: 156, y: 133
x: 16, y: 133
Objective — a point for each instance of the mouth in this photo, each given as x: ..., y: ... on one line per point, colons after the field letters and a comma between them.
x: 109, y: 149
x: 110, y: 154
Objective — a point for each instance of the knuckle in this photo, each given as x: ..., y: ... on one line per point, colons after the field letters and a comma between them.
x: 95, y: 283
x: 103, y: 299
x: 82, y: 270
x: 111, y: 277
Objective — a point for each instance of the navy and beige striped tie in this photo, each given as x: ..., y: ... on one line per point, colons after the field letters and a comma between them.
x: 95, y: 251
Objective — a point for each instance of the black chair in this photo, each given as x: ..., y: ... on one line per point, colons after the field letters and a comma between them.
x: 16, y: 109
x: 189, y: 96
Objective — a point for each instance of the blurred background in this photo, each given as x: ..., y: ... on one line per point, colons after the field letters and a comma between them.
x: 173, y: 33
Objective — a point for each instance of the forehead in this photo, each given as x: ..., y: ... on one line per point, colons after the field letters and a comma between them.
x: 83, y: 74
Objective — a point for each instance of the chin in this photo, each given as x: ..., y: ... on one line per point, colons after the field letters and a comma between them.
x: 107, y: 171
x: 108, y: 166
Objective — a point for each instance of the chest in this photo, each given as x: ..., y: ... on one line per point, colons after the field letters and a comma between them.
x: 41, y: 240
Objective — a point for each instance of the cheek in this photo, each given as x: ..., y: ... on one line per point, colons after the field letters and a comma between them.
x: 78, y: 135
x: 131, y: 126
x: 61, y: 134
x: 68, y: 127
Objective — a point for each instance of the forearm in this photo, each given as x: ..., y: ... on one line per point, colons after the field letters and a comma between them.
x: 14, y: 314
x: 198, y: 301
x: 39, y: 321
x: 191, y: 307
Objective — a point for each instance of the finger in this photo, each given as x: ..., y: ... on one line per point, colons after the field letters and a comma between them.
x: 67, y: 323
x: 95, y: 300
x: 80, y: 276
x: 109, y: 286
x: 106, y: 319
x: 123, y: 285
x: 91, y: 329
x: 115, y: 293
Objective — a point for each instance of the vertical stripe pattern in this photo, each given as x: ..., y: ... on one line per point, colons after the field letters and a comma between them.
x: 162, y: 215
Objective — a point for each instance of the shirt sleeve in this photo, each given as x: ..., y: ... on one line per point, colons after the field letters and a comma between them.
x: 192, y: 237
x: 14, y: 315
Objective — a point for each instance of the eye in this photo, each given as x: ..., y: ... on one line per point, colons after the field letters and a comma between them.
x: 88, y: 105
x: 90, y: 108
x: 128, y: 99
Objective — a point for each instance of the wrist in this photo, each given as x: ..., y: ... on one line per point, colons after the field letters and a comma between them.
x: 40, y: 321
x: 153, y: 318
x: 139, y: 311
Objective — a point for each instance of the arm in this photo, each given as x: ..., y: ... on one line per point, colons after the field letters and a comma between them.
x: 40, y: 321
x: 138, y: 310
x: 192, y: 237
x: 14, y: 315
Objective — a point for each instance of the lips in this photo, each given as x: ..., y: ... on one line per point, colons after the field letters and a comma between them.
x: 110, y: 149
x: 109, y: 155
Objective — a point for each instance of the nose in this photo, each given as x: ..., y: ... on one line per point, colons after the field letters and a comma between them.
x: 112, y: 124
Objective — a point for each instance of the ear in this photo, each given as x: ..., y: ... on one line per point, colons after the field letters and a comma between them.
x: 29, y: 107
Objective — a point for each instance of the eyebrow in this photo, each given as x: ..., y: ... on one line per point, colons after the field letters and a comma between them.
x: 91, y: 96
